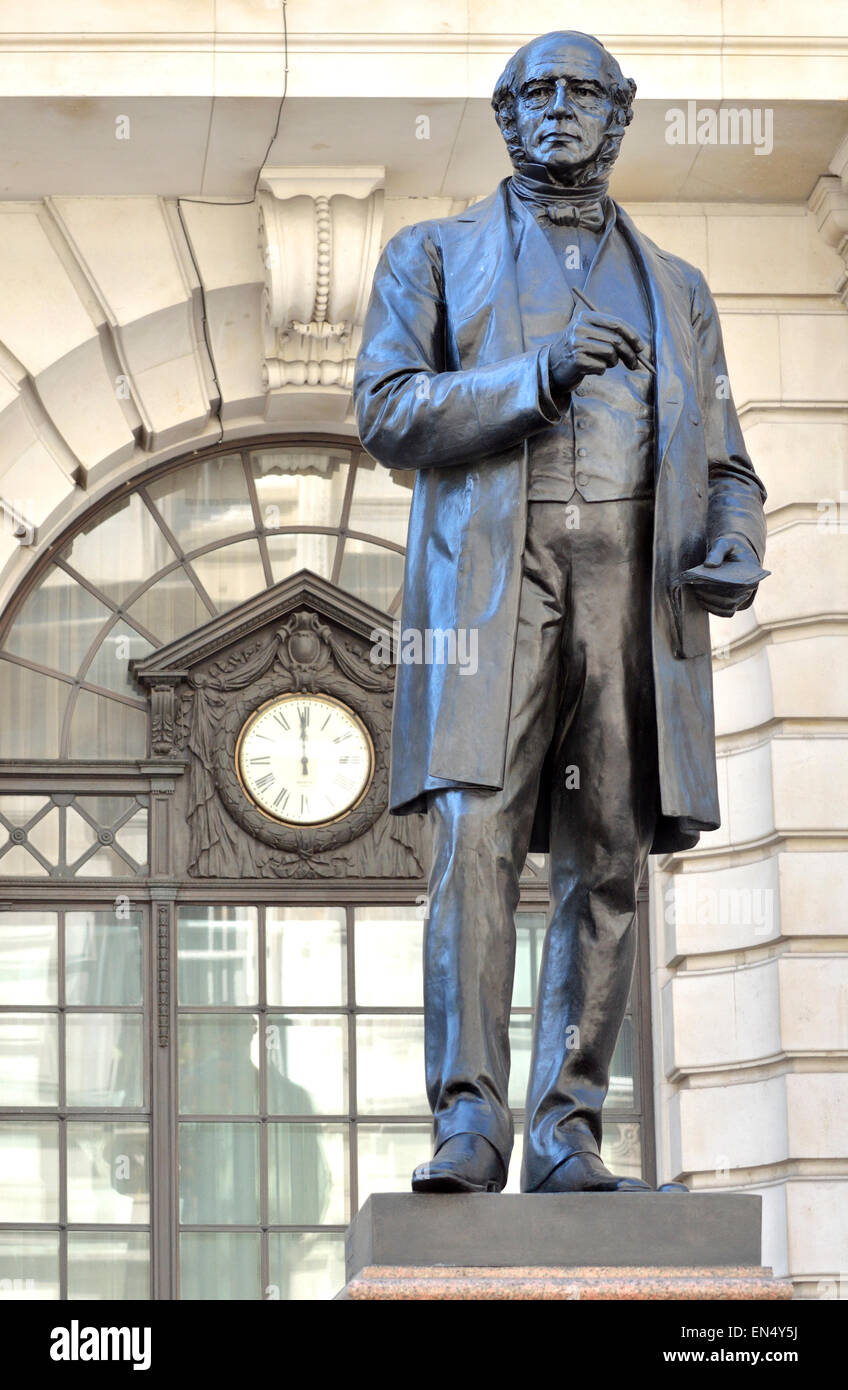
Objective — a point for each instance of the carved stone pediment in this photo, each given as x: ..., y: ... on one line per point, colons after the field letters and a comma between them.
x: 302, y: 636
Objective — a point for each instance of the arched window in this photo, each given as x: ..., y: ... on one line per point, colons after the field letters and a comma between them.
x: 171, y: 552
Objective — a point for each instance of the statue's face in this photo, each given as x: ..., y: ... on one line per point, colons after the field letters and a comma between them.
x: 563, y: 107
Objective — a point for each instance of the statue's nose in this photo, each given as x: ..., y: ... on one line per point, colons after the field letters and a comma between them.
x: 560, y: 103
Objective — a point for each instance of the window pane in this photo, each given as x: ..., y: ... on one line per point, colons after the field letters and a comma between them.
x: 231, y: 574
x: 370, y: 572
x: 308, y: 1175
x: 530, y: 937
x: 170, y: 607
x: 621, y: 1090
x: 204, y: 502
x: 110, y: 664
x: 128, y: 530
x: 29, y: 1059
x: 380, y: 504
x: 220, y: 1265
x: 303, y: 487
x: 28, y: 957
x: 103, y: 1059
x: 29, y: 1265
x: 33, y: 708
x: 108, y: 1264
x: 29, y: 1170
x: 390, y: 1065
x: 307, y: 1065
x: 389, y: 945
x: 217, y: 950
x: 305, y: 1265
x: 104, y: 728
x: 388, y: 1154
x: 219, y: 1174
x: 299, y: 550
x: 217, y: 1062
x: 102, y: 958
x: 57, y: 623
x: 520, y: 1044
x: 621, y: 1149
x: 306, y: 959
x: 108, y: 1167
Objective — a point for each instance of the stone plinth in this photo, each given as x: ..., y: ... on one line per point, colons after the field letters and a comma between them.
x: 547, y: 1246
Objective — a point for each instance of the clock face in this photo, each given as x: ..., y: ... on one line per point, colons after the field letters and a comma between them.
x: 304, y: 759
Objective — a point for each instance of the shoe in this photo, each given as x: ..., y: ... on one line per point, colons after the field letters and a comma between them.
x: 585, y: 1172
x: 464, y: 1163
x: 673, y: 1187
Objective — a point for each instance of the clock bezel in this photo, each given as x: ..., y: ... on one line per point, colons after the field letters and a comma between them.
x: 280, y: 835
x: 292, y: 697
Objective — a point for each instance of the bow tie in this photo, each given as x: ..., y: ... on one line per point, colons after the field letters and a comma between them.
x: 565, y: 207
x: 570, y: 215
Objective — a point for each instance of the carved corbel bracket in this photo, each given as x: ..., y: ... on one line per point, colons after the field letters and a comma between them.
x: 828, y: 203
x: 319, y: 232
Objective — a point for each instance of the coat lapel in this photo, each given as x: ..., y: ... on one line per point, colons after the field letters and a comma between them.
x: 671, y: 332
x: 481, y: 288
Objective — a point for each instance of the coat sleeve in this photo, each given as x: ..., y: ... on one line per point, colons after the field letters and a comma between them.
x: 411, y: 412
x: 736, y: 494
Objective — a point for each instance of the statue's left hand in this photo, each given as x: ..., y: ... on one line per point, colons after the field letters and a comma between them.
x: 717, y: 600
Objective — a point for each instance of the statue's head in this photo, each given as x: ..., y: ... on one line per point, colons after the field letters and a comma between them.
x: 562, y: 101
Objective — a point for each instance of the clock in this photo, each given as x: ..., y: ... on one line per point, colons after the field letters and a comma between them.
x: 304, y: 759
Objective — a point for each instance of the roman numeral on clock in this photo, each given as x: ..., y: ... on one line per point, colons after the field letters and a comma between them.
x: 263, y: 782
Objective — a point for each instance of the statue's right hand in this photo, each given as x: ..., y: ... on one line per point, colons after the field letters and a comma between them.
x: 590, y: 344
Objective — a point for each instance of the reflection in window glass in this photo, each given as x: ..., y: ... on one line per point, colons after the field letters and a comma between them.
x: 29, y: 1170
x: 621, y: 1090
x: 126, y: 529
x: 110, y: 666
x: 305, y: 1265
x: 103, y: 1059
x: 107, y: 728
x: 621, y: 1149
x: 389, y: 944
x: 217, y: 1071
x: 390, y: 1065
x: 231, y: 573
x: 388, y: 1154
x: 29, y: 1059
x: 306, y: 958
x: 217, y: 951
x: 307, y: 1064
x: 102, y: 958
x: 170, y: 607
x: 219, y: 1174
x: 57, y: 623
x: 308, y: 1175
x: 300, y: 487
x: 220, y: 1265
x: 380, y: 502
x: 30, y: 1264
x: 529, y: 939
x: 29, y: 944
x: 520, y: 1045
x: 108, y: 1172
x: 298, y: 550
x: 370, y: 572
x: 21, y: 692
x: 108, y: 1264
x: 204, y: 501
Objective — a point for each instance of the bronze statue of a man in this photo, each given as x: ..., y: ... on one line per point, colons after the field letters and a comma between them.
x: 559, y: 384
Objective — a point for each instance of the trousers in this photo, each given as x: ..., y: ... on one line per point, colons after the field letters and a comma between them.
x: 582, y: 707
